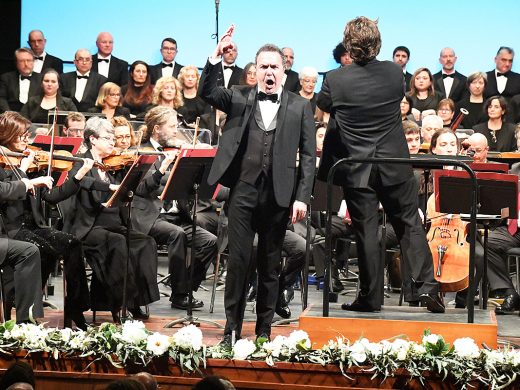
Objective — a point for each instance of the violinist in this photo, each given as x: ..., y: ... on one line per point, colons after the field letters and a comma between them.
x: 169, y: 223
x: 444, y: 142
x: 103, y: 231
x: 24, y: 221
x: 37, y: 107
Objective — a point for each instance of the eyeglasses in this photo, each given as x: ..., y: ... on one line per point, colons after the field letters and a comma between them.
x: 168, y: 48
x: 122, y: 137
x: 75, y: 131
x: 108, y: 139
x: 23, y: 137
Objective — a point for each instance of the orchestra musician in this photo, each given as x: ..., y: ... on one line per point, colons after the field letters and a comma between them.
x: 375, y: 86
x: 24, y: 220
x: 103, y: 233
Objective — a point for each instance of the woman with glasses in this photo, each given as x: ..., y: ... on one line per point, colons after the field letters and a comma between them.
x: 103, y: 233
x: 109, y: 102
x: 123, y: 133
x: 308, y: 79
x: 446, y: 110
x: 24, y: 219
x: 37, y: 107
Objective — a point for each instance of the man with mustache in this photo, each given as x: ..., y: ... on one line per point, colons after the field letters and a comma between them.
x: 267, y: 128
x: 450, y: 83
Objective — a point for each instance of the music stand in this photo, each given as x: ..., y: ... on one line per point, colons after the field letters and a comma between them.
x: 188, y: 180
x: 498, y: 198
x: 123, y: 197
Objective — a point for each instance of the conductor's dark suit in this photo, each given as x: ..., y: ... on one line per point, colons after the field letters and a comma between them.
x: 94, y: 83
x: 117, y: 70
x: 364, y: 101
x: 10, y: 90
x: 457, y: 89
x: 258, y: 162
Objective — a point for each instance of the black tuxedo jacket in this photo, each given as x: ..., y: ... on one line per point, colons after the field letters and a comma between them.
x: 292, y: 82
x: 407, y: 80
x: 458, y: 89
x: 156, y: 71
x: 52, y: 62
x: 512, y: 86
x: 295, y: 135
x: 117, y: 70
x: 233, y: 80
x: 68, y: 89
x: 10, y: 90
x: 364, y: 125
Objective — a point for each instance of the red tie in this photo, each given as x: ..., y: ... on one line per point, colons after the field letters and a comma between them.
x: 512, y: 224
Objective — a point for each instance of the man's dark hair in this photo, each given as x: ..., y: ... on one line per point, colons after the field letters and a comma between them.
x: 272, y: 48
x: 171, y: 40
x: 362, y: 39
x: 401, y: 48
x: 18, y: 372
x: 338, y: 52
x: 506, y: 49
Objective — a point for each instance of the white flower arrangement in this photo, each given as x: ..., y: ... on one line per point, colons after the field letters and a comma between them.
x: 132, y: 343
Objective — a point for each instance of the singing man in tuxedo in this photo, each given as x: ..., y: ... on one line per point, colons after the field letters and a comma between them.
x: 401, y: 56
x: 450, y: 83
x: 502, y: 80
x: 266, y: 129
x: 168, y: 66
x: 83, y: 85
x: 107, y: 65
x: 292, y: 81
x: 364, y: 99
x: 18, y: 86
x: 42, y: 59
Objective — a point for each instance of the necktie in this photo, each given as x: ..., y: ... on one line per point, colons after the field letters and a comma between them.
x: 25, y: 77
x: 444, y: 76
x: 229, y: 67
x: 167, y: 65
x: 103, y: 60
x: 81, y: 77
x: 272, y: 97
x: 38, y: 58
x: 502, y: 74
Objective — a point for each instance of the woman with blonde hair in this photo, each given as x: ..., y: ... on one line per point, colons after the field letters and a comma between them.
x: 193, y: 106
x: 109, y: 102
x: 167, y: 92
x: 123, y: 133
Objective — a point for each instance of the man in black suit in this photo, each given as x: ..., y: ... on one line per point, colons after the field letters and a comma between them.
x: 169, y: 223
x: 450, y: 83
x: 230, y: 73
x: 42, y: 59
x: 256, y: 159
x: 18, y: 86
x: 401, y: 56
x: 83, y: 85
x: 292, y: 81
x: 363, y: 99
x: 502, y: 80
x: 107, y: 65
x: 168, y: 66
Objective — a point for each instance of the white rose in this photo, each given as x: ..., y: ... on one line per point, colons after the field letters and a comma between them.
x: 134, y: 332
x: 243, y: 348
x: 465, y: 347
x: 299, y: 337
x: 418, y: 349
x: 430, y: 339
x: 188, y: 337
x: 66, y: 334
x: 357, y: 351
x: 157, y: 343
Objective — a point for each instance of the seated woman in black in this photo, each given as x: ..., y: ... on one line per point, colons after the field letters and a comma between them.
x: 103, y: 231
x: 500, y: 135
x: 24, y: 221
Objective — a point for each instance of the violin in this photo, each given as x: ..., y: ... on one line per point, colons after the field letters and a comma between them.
x: 62, y: 160
x: 117, y: 161
x: 450, y: 250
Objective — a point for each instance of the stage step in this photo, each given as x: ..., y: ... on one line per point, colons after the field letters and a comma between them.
x: 393, y: 321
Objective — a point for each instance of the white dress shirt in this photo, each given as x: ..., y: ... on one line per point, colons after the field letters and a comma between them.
x: 227, y: 73
x: 24, y: 90
x: 501, y: 82
x: 103, y: 65
x: 448, y: 83
x: 80, y: 86
x: 38, y: 64
x: 269, y: 109
x: 167, y: 70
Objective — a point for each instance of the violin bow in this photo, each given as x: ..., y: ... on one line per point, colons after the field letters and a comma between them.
x: 196, y: 134
x: 53, y: 133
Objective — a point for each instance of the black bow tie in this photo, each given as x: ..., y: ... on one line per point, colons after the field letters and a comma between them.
x: 272, y: 97
x: 103, y: 60
x: 25, y: 77
x: 444, y: 76
x: 38, y: 58
x: 229, y: 67
x: 502, y: 74
x: 82, y: 77
x: 167, y: 65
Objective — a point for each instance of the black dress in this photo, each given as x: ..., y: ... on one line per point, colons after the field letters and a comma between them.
x: 33, y: 110
x: 430, y: 103
x: 192, y: 108
x: 137, y: 109
x: 103, y: 233
x: 502, y: 140
x: 476, y: 113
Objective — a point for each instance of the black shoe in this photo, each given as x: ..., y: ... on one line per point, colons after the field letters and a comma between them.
x: 282, y: 307
x: 433, y: 303
x: 78, y: 318
x: 227, y: 342
x: 413, y: 303
x: 337, y: 286
x: 138, y: 314
x: 357, y: 306
x: 510, y: 304
x: 115, y: 316
x: 182, y: 302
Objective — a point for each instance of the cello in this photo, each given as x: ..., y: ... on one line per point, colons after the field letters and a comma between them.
x: 450, y: 250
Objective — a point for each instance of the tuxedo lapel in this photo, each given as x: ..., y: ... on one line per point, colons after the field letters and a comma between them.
x: 250, y: 102
x: 280, y: 118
